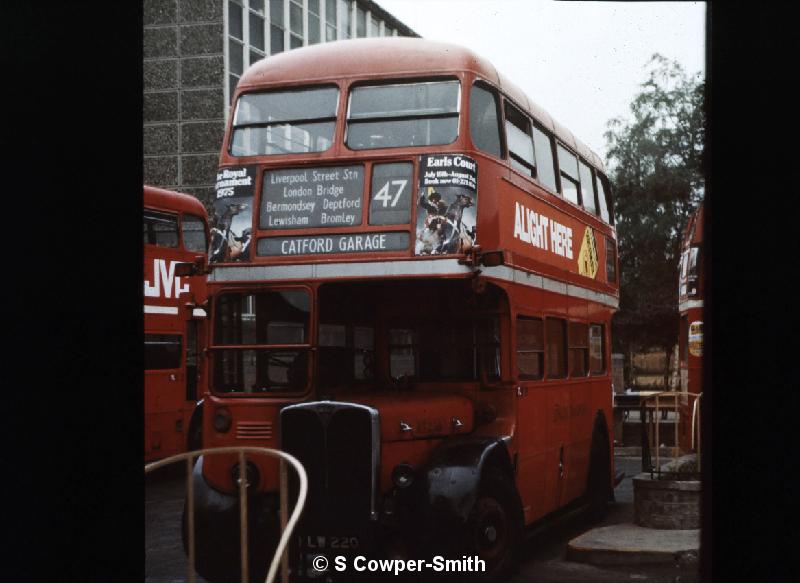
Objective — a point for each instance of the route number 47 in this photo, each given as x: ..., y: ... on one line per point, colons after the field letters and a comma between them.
x: 384, y: 196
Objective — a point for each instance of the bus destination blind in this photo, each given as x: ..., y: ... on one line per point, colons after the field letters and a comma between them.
x: 323, y: 244
x: 301, y: 198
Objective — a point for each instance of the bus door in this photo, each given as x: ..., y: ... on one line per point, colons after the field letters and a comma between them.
x: 557, y: 412
x: 532, y: 419
x: 165, y: 393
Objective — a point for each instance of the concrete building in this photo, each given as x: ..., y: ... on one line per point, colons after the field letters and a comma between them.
x: 194, y: 53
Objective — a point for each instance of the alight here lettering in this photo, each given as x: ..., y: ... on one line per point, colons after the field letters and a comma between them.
x: 542, y: 232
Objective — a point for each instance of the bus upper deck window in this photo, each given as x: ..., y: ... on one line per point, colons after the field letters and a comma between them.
x: 484, y: 124
x: 407, y: 114
x: 284, y: 122
x: 587, y: 189
x: 601, y: 199
x: 520, y: 141
x: 545, y: 168
x: 568, y: 164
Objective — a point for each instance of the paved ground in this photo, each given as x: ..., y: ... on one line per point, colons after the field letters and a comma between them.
x: 545, y: 562
x: 544, y: 552
x: 164, y: 493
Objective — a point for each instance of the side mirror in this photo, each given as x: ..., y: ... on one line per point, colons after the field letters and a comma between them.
x: 186, y: 269
x: 491, y: 258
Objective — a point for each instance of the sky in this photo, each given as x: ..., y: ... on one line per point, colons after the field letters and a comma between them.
x: 583, y: 62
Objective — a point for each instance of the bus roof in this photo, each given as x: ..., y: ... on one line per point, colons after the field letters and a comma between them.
x: 396, y: 56
x: 169, y: 199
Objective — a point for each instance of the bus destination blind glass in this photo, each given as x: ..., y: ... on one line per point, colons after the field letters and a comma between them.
x: 231, y: 225
x: 446, y: 205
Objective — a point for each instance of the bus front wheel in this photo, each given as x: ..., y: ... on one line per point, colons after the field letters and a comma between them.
x: 494, y: 527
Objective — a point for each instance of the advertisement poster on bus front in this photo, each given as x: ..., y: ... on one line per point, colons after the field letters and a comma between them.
x: 232, y: 223
x: 446, y: 204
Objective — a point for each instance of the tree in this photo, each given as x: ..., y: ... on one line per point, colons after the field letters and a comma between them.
x: 655, y: 164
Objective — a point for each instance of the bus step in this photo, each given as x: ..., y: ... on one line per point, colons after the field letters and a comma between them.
x: 618, y: 478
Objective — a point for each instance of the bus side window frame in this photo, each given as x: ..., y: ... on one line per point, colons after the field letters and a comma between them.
x: 517, y: 350
x: 175, y: 220
x: 592, y: 190
x: 562, y: 174
x: 604, y: 370
x: 536, y: 126
x: 609, y: 199
x: 511, y: 158
x: 572, y: 346
x: 564, y: 348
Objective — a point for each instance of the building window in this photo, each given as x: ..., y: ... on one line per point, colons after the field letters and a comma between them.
x: 276, y: 27
x: 313, y: 22
x: 345, y: 23
x: 361, y: 22
x: 568, y: 165
x: 330, y: 20
x: 578, y: 349
x: 256, y: 21
x: 374, y: 27
x: 484, y: 122
x: 295, y: 24
x: 556, y: 341
x: 235, y: 44
x: 597, y: 360
x: 530, y: 348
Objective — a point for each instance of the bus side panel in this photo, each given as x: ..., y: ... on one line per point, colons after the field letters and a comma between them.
x: 167, y: 404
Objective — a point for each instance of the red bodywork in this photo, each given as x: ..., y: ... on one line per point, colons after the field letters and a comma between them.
x: 170, y: 385
x: 548, y: 423
x: 690, y: 307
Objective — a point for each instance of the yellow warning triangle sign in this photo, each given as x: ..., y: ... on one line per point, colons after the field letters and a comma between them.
x: 587, y: 257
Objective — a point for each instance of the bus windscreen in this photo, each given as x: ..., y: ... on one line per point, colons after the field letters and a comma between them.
x: 284, y: 122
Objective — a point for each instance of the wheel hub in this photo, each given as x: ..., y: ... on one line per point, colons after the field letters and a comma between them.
x: 491, y: 529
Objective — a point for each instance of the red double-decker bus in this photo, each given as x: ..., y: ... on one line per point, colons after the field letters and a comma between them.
x: 412, y: 293
x: 175, y: 231
x: 690, y: 308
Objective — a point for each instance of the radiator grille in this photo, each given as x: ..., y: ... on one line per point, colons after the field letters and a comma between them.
x: 254, y: 430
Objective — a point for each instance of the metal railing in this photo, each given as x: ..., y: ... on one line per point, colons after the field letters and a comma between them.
x: 287, y: 526
x: 651, y: 412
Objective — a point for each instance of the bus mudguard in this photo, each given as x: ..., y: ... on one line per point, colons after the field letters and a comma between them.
x: 216, y: 518
x: 453, y: 474
x: 194, y: 437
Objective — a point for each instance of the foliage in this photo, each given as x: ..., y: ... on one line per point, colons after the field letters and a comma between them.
x: 655, y: 163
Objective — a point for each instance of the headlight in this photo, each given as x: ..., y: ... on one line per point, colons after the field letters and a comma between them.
x: 251, y: 475
x: 403, y: 476
x: 222, y: 420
